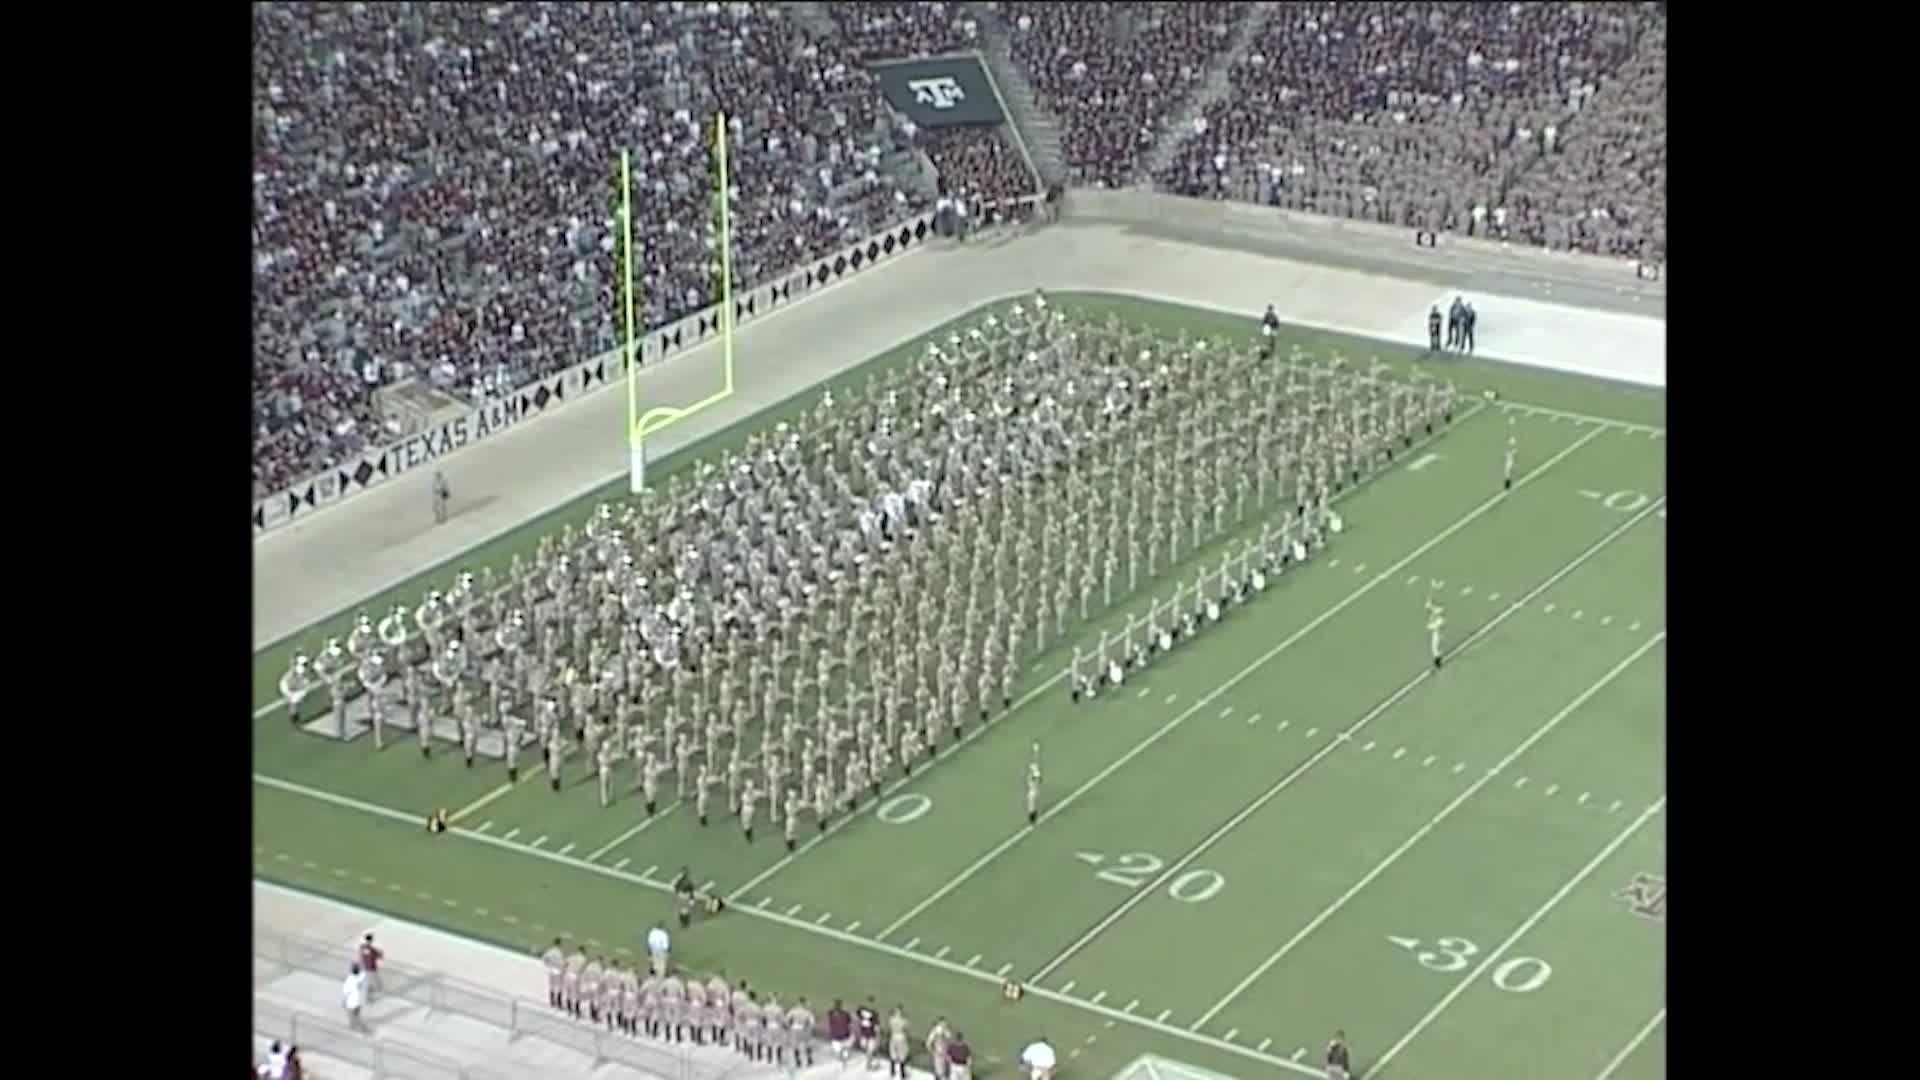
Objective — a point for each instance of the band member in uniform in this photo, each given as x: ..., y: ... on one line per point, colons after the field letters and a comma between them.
x: 719, y: 1008
x: 570, y: 981
x: 746, y: 1021
x: 1339, y: 1060
x: 673, y: 1004
x: 697, y: 1010
x: 1436, y: 622
x: 512, y: 731
x: 556, y: 746
x: 792, y: 822
x: 898, y: 1046
x: 1512, y: 447
x: 590, y: 987
x: 1033, y: 787
x: 556, y: 960
x: 800, y: 1033
x: 650, y: 1004
x: 742, y: 1000
x: 937, y: 1038
x: 839, y: 1030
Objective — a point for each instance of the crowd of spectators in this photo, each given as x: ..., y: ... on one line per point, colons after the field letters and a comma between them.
x: 1542, y: 123
x: 1114, y: 74
x: 880, y: 31
x: 434, y: 184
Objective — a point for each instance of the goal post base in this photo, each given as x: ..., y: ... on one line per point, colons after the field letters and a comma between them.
x: 637, y: 466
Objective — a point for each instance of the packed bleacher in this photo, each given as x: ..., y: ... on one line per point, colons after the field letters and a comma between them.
x: 433, y: 189
x: 1541, y: 123
x: 1113, y: 75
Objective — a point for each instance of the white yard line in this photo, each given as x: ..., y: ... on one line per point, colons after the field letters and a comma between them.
x: 1326, y: 750
x: 1392, y: 571
x: 1589, y: 418
x: 461, y: 814
x: 841, y: 936
x: 1633, y: 1044
x: 1500, y: 951
x: 633, y: 832
x: 1422, y: 832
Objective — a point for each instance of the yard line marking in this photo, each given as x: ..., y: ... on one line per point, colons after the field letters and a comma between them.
x: 648, y: 872
x: 485, y: 825
x: 1420, y: 834
x: 1131, y: 1005
x: 1264, y: 1043
x: 822, y: 920
x: 633, y: 832
x: 974, y: 961
x: 764, y: 901
x: 1298, y: 1053
x: 942, y: 954
x: 621, y: 865
x: 1351, y: 598
x: 1633, y: 1044
x: 1231, y: 1032
x: 1533, y: 920
x: 566, y: 849
x: 460, y: 814
x: 909, y: 945
x: 1067, y: 989
x: 540, y: 840
x: 1004, y: 968
x: 511, y: 833
x: 792, y: 911
x: 1286, y: 781
x: 1164, y: 1013
x: 1603, y: 421
x: 1099, y: 997
x: 853, y: 926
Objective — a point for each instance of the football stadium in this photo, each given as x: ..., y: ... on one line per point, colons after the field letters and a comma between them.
x: 1014, y: 539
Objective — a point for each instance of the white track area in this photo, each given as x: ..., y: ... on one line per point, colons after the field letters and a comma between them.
x: 320, y: 565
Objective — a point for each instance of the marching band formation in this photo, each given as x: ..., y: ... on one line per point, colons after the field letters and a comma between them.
x: 822, y: 608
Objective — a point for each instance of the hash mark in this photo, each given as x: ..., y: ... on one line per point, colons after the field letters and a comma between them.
x: 391, y: 887
x: 1335, y: 561
x: 622, y: 864
x: 1254, y: 718
x: 451, y: 903
x: 1606, y: 620
x: 795, y: 910
x: 540, y: 840
x: 1226, y: 712
x: 853, y: 926
x: 511, y: 833
x: 337, y: 872
x: 1399, y: 753
x: 365, y: 880
x: 1312, y: 731
x: 1520, y: 783
x: 974, y: 961
x: 1579, y: 614
x: 1548, y: 609
x: 1004, y: 968
x: 1099, y: 997
x: 822, y: 920
x: 1459, y: 767
x: 566, y: 849
x: 1131, y: 1005
x: 1264, y: 1043
x: 1231, y: 1032
x: 1171, y: 698
x: 510, y: 920
x: 1551, y: 788
x: 422, y: 896
x: 1413, y: 579
x: 1493, y: 598
x: 1615, y: 808
x: 480, y: 911
x: 648, y: 872
x: 1430, y: 760
x: 1143, y: 692
x: 1582, y: 800
x: 1466, y: 590
x: 909, y: 945
x: 1635, y: 626
x: 1162, y: 1018
x: 1282, y: 727
x: 485, y: 825
x: 1436, y: 583
x: 1369, y: 747
x: 764, y: 901
x: 1067, y: 989
x: 1300, y: 1053
x: 942, y: 954
x: 1360, y: 569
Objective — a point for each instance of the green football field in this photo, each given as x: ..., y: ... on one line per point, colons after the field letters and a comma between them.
x: 1291, y: 825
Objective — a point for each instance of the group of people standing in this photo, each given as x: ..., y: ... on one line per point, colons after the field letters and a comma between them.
x: 1460, y: 320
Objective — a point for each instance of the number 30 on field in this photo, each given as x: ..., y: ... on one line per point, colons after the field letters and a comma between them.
x: 1515, y: 975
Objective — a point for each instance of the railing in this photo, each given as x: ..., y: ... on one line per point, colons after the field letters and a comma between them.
x: 439, y: 992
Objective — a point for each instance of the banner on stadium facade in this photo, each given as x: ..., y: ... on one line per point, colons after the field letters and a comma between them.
x: 947, y: 92
x: 371, y: 468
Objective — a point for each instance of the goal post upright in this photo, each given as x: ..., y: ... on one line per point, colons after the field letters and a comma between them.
x: 636, y: 445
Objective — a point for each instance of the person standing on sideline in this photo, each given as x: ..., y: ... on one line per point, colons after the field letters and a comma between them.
x: 353, y: 995
x: 370, y: 958
x: 441, y: 493
x: 658, y: 945
x: 1453, y: 323
x: 1339, y: 1061
x: 1433, y: 329
x: 1467, y: 318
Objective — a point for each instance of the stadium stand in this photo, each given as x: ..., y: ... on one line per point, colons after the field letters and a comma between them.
x: 432, y: 185
x: 1114, y: 73
x: 1541, y: 123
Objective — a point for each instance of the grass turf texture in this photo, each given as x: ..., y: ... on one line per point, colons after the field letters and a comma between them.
x: 1293, y: 783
